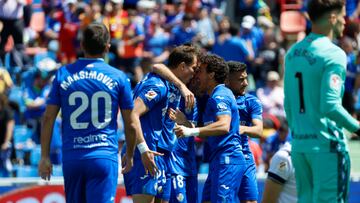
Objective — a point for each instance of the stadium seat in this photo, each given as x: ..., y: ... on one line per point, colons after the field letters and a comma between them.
x: 21, y: 134
x: 286, y: 5
x: 27, y: 171
x: 57, y: 170
x: 16, y: 95
x: 35, y: 155
x: 292, y: 22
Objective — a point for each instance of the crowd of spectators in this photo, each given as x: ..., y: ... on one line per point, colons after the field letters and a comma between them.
x: 38, y: 36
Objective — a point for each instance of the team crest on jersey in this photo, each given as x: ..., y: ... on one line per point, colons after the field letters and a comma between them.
x: 160, y: 189
x: 335, y: 82
x: 282, y: 166
x: 150, y: 95
x: 221, y: 106
x: 180, y: 197
x: 172, y: 97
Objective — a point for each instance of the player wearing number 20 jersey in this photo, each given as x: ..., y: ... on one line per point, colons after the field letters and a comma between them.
x: 89, y: 93
x: 82, y: 90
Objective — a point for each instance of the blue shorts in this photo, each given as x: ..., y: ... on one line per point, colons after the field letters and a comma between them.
x: 90, y: 180
x: 138, y: 182
x: 164, y: 179
x: 184, y: 189
x: 223, y: 182
x: 248, y: 188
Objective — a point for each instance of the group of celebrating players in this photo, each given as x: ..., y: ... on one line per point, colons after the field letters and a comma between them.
x: 160, y: 118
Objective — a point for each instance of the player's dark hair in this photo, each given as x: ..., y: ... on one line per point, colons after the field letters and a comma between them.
x: 183, y: 53
x: 317, y: 8
x: 217, y: 65
x: 95, y: 39
x: 235, y: 66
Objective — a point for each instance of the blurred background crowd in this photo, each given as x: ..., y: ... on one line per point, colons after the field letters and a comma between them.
x: 39, y: 36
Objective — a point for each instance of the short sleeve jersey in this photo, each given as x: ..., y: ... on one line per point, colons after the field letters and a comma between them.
x: 89, y: 93
x: 224, y: 149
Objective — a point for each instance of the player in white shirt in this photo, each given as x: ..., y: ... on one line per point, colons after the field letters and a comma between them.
x: 280, y: 186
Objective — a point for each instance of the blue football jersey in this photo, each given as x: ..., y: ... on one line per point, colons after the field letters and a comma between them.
x: 153, y: 90
x: 89, y: 93
x: 168, y: 138
x: 183, y: 159
x: 226, y: 149
x: 249, y: 108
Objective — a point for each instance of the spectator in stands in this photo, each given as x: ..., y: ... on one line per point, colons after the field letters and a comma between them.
x: 252, y: 34
x: 115, y: 18
x: 352, y: 74
x: 352, y: 9
x: 174, y: 15
x: 272, y: 95
x: 11, y: 16
x: 34, y: 98
x: 53, y: 25
x: 269, y: 58
x: 184, y: 33
x: 5, y: 81
x: 131, y: 48
x: 233, y: 48
x: 6, y: 132
x: 156, y: 43
x: 246, y: 7
x: 280, y: 186
x: 68, y: 32
x: 274, y: 142
x: 205, y: 26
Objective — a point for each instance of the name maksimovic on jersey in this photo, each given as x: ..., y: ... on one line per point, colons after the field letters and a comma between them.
x: 88, y: 75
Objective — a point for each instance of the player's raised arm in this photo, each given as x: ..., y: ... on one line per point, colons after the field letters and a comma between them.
x: 255, y: 130
x: 166, y: 73
x: 218, y: 128
x: 180, y: 118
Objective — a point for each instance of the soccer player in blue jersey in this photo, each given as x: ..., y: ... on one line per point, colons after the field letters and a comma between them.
x: 250, y: 111
x: 153, y: 98
x: 221, y: 120
x: 183, y: 160
x: 89, y: 93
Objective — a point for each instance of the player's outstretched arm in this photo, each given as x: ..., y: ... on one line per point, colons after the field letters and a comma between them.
x: 220, y: 127
x: 255, y: 130
x: 45, y: 166
x: 180, y: 118
x: 166, y: 73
